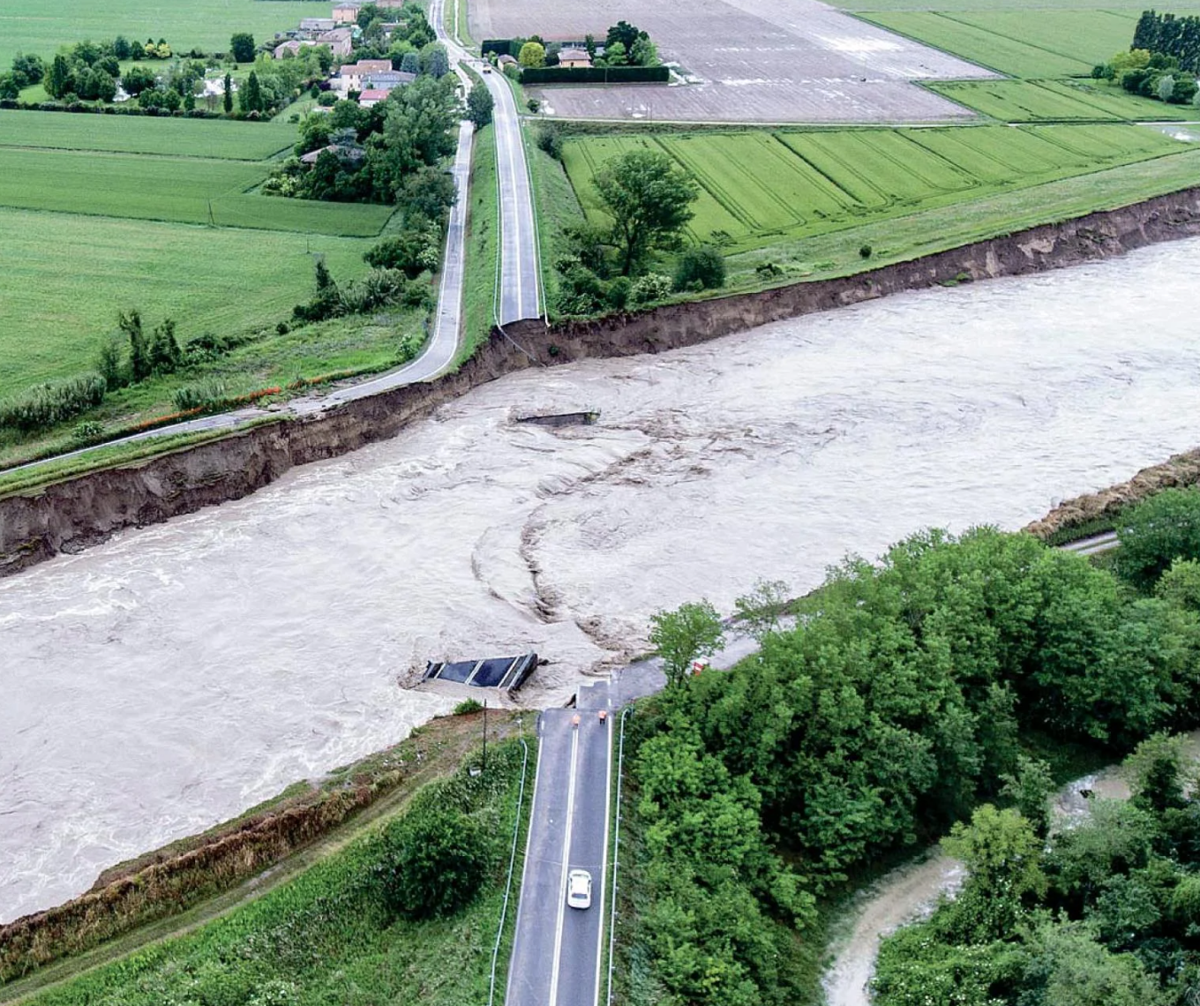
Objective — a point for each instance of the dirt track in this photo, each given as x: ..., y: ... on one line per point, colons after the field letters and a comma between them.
x: 752, y: 60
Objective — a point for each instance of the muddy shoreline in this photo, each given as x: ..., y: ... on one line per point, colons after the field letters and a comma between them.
x: 75, y: 514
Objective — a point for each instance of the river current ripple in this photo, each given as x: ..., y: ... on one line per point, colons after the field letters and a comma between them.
x: 178, y: 674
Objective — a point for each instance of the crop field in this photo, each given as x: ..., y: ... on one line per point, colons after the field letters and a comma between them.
x: 181, y: 189
x: 41, y: 27
x: 1029, y: 7
x: 979, y: 45
x: 757, y: 187
x: 210, y: 138
x: 1058, y: 101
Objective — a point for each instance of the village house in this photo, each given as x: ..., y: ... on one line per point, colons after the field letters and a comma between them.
x: 347, y: 12
x: 350, y: 76
x: 574, y: 58
x: 317, y: 24
x: 372, y: 96
x: 387, y: 81
x: 339, y: 40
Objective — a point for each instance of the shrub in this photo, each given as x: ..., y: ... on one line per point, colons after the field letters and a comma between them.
x: 435, y: 862
x: 618, y: 292
x: 700, y: 269
x: 110, y: 363
x: 53, y: 403
x: 199, y: 396
x: 649, y: 288
x: 467, y: 706
x: 87, y: 432
x: 865, y: 251
x: 549, y: 138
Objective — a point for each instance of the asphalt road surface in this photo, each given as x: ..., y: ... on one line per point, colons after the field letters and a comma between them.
x: 557, y: 950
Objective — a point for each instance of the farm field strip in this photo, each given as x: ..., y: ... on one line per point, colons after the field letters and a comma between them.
x: 1092, y: 35
x: 220, y: 139
x: 183, y: 190
x: 42, y: 27
x: 1057, y: 101
x: 807, y: 183
x: 1020, y: 59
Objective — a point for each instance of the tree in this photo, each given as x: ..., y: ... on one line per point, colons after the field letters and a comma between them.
x: 480, y: 106
x: 250, y: 97
x: 615, y: 55
x: 436, y: 861
x: 1165, y: 88
x: 1002, y: 854
x: 434, y: 60
x: 533, y: 54
x: 428, y: 192
x: 9, y: 88
x: 649, y: 199
x: 417, y: 125
x: 1157, y: 531
x: 139, y: 352
x: 410, y: 62
x: 1158, y: 780
x: 624, y: 34
x: 1031, y: 788
x: 60, y: 80
x: 241, y: 46
x: 761, y: 609
x: 28, y: 70
x: 691, y: 631
x: 137, y: 79
x: 1180, y: 585
x: 643, y: 52
x: 165, y: 354
x: 120, y: 47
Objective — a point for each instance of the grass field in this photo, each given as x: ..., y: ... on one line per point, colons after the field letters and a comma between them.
x: 1058, y: 101
x: 66, y: 276
x: 41, y: 27
x: 757, y: 188
x: 185, y: 190
x: 482, y: 246
x: 1031, y: 6
x: 210, y: 138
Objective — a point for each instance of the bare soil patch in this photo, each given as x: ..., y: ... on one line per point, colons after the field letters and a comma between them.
x: 749, y: 60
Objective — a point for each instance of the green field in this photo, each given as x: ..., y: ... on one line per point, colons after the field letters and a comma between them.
x: 1027, y: 7
x: 1057, y: 101
x: 130, y: 134
x: 757, y: 188
x: 41, y: 27
x: 66, y: 276
x: 1014, y: 56
x: 185, y: 190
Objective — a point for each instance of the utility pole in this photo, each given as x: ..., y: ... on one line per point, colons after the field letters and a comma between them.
x: 485, y: 735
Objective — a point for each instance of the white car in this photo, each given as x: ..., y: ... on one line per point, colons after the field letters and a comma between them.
x: 579, y: 889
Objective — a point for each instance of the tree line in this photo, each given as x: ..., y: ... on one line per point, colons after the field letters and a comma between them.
x: 898, y: 702
x: 1170, y: 35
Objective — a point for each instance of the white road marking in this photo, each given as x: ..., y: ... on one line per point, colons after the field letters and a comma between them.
x: 562, y: 890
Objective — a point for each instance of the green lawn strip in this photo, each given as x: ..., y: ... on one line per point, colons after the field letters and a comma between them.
x: 801, y: 184
x: 936, y: 230
x: 67, y: 276
x: 314, y: 927
x: 205, y: 138
x: 180, y: 190
x: 1057, y: 101
x: 206, y: 24
x: 557, y: 208
x: 482, y: 246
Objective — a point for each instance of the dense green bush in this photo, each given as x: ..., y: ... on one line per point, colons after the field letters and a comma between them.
x: 52, y: 403
x: 1157, y: 531
x: 700, y: 268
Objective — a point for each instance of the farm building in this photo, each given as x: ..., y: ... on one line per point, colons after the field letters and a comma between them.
x: 346, y: 153
x: 387, y: 81
x: 317, y: 24
x: 340, y: 41
x: 372, y: 96
x: 346, y: 12
x: 574, y: 58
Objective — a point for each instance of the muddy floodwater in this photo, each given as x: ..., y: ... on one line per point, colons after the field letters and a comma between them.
x: 169, y: 679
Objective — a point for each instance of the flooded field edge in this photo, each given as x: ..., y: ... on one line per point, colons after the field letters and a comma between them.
x: 75, y: 514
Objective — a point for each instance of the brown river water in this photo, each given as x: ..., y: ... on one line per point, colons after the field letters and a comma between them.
x: 179, y: 674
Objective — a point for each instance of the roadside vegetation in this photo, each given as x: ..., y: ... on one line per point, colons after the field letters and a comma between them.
x: 482, y: 245
x: 405, y: 914
x: 907, y: 694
